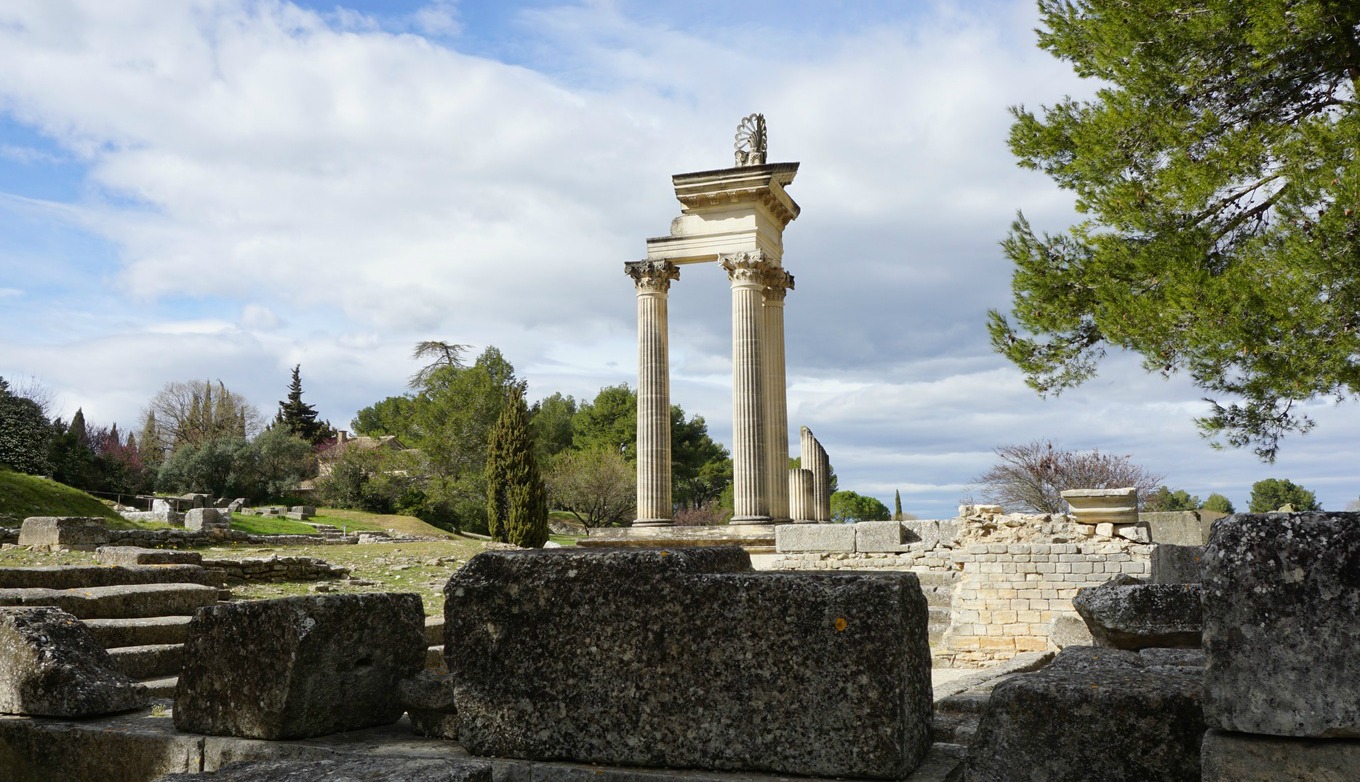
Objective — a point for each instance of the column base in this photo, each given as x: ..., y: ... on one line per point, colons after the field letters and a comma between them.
x: 750, y: 520
x: 780, y: 520
x: 653, y: 523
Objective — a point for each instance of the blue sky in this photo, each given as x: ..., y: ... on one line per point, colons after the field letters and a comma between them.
x: 222, y: 189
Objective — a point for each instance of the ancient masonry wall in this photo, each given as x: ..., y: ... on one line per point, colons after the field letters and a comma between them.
x: 1011, y: 578
x: 240, y: 571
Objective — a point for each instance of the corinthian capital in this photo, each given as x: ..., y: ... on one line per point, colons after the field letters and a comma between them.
x: 652, y: 276
x: 746, y: 267
x: 777, y: 284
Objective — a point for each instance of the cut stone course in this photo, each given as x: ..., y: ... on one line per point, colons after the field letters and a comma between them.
x: 299, y: 666
x: 687, y: 659
x: 81, y: 576
x: 51, y: 666
x: 1172, y: 564
x: 1093, y: 715
x: 1282, y: 624
x: 345, y: 769
x: 1241, y: 757
x: 137, y: 555
x: 121, y: 601
x: 1127, y: 614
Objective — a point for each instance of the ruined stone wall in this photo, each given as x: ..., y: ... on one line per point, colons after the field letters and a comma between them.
x: 182, y: 538
x: 1011, y: 577
x: 1011, y: 595
x: 240, y: 571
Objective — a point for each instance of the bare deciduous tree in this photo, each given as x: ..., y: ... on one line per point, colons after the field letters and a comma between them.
x: 196, y: 411
x: 1032, y: 476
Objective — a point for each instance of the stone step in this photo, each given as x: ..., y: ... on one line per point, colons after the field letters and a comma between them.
x: 161, y: 687
x: 936, y: 578
x: 434, y: 630
x: 149, y: 662
x: 82, y: 576
x: 140, y: 631
x: 110, y: 602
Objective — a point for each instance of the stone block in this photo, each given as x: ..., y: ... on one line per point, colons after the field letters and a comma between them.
x: 1282, y: 624
x: 1241, y: 757
x: 50, y: 665
x: 429, y: 700
x: 346, y: 769
x: 883, y: 537
x: 1103, y: 506
x: 300, y: 666
x: 1174, y: 564
x: 1138, y: 533
x: 1138, y: 616
x: 790, y: 538
x: 1180, y: 528
x: 63, y: 532
x: 204, y: 519
x: 1093, y: 714
x: 1068, y: 630
x: 136, y: 555
x: 687, y: 659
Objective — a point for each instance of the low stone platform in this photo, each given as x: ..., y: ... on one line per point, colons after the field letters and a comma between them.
x: 755, y: 538
x: 81, y: 576
x: 139, y: 747
x: 107, y: 602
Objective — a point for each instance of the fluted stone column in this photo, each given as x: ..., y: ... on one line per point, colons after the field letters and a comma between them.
x: 652, y: 280
x: 750, y: 476
x: 777, y: 285
x: 813, y: 456
x: 800, y: 494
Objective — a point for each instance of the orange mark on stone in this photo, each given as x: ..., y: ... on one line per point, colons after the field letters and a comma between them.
x: 840, y: 624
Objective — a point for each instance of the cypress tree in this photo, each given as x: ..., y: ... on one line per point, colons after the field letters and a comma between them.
x: 897, y: 505
x: 299, y: 417
x: 516, y: 500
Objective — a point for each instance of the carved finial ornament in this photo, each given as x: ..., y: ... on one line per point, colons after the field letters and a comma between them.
x: 652, y: 276
x: 750, y: 143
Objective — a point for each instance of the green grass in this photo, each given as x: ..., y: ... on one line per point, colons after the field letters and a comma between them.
x: 23, y: 495
x: 269, y: 525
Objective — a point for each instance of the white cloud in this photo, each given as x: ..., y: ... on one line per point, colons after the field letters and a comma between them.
x: 277, y: 187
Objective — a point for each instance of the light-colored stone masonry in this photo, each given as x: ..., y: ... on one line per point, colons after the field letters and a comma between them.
x: 1012, y: 575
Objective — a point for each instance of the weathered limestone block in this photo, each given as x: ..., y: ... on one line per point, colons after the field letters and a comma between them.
x: 1172, y: 564
x: 881, y: 537
x: 1103, y: 506
x: 299, y: 666
x: 1282, y: 624
x: 205, y: 519
x: 790, y: 538
x: 1096, y: 715
x: 688, y: 659
x: 1241, y: 757
x: 136, y: 555
x: 346, y: 769
x: 62, y: 531
x: 1182, y: 527
x: 1128, y: 615
x: 429, y: 700
x: 1067, y: 630
x: 50, y: 665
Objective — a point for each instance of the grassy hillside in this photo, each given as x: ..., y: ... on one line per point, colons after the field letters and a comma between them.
x: 22, y: 496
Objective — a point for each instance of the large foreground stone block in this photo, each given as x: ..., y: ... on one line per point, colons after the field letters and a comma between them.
x: 1240, y: 757
x: 1282, y: 624
x: 1093, y: 715
x: 299, y: 666
x: 62, y: 531
x: 51, y: 666
x: 686, y: 658
x: 1128, y: 615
